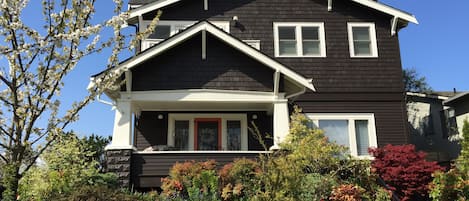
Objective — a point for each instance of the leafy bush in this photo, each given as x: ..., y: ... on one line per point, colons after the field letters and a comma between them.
x: 103, y: 193
x: 68, y: 164
x: 191, y: 180
x: 347, y: 192
x: 454, y: 185
x: 405, y: 171
x: 238, y: 179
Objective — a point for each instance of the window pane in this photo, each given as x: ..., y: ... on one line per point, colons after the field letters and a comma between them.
x: 361, y: 132
x: 287, y: 33
x: 310, y: 33
x: 336, y: 131
x: 362, y: 47
x: 311, y: 48
x: 361, y: 33
x: 161, y: 32
x: 207, y: 135
x: 287, y: 47
x: 181, y: 135
x: 234, y: 135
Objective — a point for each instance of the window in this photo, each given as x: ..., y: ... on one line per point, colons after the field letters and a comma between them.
x: 207, y: 132
x: 362, y: 40
x: 181, y: 135
x: 356, y: 131
x: 165, y: 29
x: 299, y: 39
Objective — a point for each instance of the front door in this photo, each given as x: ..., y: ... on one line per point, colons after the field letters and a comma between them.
x: 207, y: 134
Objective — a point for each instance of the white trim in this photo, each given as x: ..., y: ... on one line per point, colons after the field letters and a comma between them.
x: 368, y: 3
x: 128, y: 81
x: 205, y: 4
x: 123, y: 147
x: 389, y: 10
x: 222, y: 35
x: 172, y: 117
x: 372, y: 139
x: 372, y: 33
x: 276, y: 83
x: 329, y: 5
x: 427, y: 95
x: 204, y: 45
x: 149, y: 7
x: 254, y: 43
x: 299, y: 38
x: 203, y: 95
x: 394, y: 22
x: 202, y: 152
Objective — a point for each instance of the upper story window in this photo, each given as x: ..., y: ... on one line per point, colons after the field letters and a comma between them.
x: 362, y: 39
x: 299, y: 39
x: 355, y: 131
x: 165, y: 29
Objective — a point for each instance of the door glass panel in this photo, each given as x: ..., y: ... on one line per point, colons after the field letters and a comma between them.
x: 181, y: 135
x: 361, y: 131
x: 207, y: 135
x: 336, y: 131
x: 234, y: 135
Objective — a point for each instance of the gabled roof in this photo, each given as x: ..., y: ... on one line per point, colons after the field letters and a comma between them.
x: 224, y: 37
x: 458, y: 97
x: 151, y: 5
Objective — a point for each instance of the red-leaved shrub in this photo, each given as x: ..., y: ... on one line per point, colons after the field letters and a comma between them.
x: 404, y: 170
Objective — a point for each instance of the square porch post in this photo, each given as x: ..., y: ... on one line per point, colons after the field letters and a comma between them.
x: 119, y: 152
x: 281, y: 122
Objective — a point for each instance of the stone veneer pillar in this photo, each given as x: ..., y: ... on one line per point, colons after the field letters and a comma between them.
x: 119, y: 162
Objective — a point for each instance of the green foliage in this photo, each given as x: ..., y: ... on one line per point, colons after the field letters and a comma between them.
x: 413, y: 82
x: 104, y: 193
x: 463, y: 160
x: 454, y: 184
x: 191, y: 180
x: 204, y: 187
x: 347, y: 192
x: 8, y: 181
x: 69, y: 164
x: 238, y: 179
x: 95, y: 144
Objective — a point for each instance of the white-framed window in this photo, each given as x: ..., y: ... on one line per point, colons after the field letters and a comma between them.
x: 167, y: 28
x: 207, y: 132
x: 362, y: 39
x: 306, y: 39
x: 356, y: 131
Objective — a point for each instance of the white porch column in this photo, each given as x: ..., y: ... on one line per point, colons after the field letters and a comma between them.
x: 281, y: 122
x: 122, y: 133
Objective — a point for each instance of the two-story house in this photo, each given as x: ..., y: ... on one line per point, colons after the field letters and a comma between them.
x: 211, y: 67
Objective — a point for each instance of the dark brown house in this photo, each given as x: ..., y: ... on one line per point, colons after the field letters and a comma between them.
x: 213, y: 66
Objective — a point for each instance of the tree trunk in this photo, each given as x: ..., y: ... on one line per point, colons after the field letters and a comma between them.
x: 11, y: 178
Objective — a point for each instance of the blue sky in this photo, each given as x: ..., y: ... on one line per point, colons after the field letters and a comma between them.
x: 437, y: 48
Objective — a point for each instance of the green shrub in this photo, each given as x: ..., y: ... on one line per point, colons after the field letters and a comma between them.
x: 190, y: 180
x: 103, y: 193
x: 347, y: 192
x: 238, y: 179
x: 454, y: 184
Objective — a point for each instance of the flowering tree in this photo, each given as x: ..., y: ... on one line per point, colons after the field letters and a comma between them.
x: 35, y: 62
